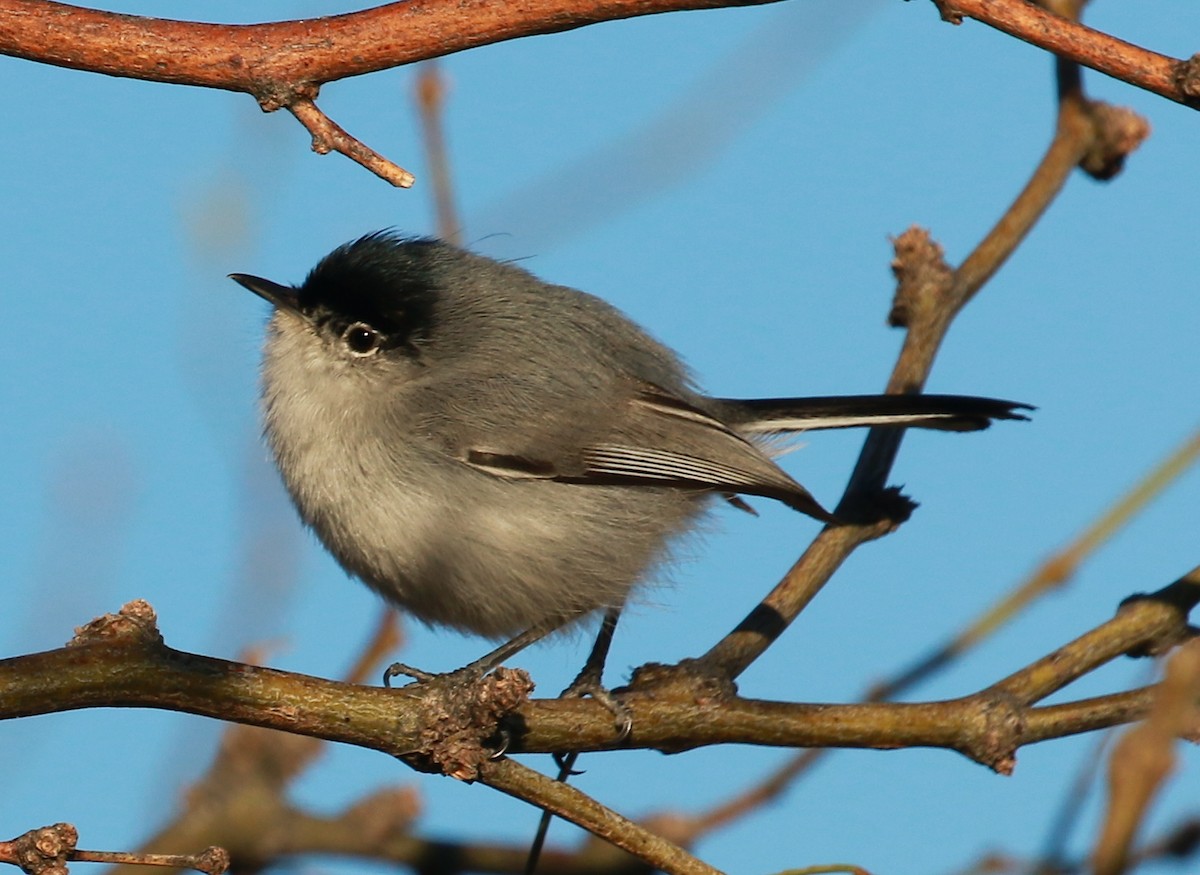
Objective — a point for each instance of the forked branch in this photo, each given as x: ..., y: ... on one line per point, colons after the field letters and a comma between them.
x: 284, y: 64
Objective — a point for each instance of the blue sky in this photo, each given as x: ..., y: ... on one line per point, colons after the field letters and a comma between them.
x: 751, y: 234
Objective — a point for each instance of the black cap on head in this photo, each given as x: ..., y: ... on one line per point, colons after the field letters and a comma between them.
x: 384, y: 279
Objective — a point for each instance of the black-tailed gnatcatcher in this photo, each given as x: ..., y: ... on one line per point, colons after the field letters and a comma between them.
x: 494, y: 453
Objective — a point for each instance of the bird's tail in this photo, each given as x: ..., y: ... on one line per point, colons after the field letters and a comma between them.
x: 944, y: 412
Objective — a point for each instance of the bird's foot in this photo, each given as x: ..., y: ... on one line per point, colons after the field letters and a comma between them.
x: 589, y: 684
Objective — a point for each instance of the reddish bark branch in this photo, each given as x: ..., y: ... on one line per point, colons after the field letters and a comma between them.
x: 274, y: 60
x: 1168, y: 77
x: 328, y: 136
x: 283, y: 64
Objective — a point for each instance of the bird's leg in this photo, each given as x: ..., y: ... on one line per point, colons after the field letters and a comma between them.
x: 481, y: 666
x: 477, y: 698
x: 590, y: 680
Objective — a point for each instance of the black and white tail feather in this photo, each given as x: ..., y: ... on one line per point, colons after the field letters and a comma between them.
x: 941, y: 412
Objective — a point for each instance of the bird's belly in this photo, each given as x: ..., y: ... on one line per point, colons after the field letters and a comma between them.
x: 516, y: 554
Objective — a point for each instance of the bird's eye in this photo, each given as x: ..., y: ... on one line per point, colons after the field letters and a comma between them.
x: 361, y: 339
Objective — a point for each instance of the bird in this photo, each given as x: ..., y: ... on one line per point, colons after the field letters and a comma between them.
x: 494, y: 453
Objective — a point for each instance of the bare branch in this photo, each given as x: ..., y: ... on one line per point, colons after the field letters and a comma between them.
x: 211, y: 861
x: 283, y: 64
x: 328, y: 136
x: 276, y: 61
x: 563, y: 800
x: 929, y: 295
x: 1144, y: 757
x: 271, y: 60
x: 1165, y: 76
x: 121, y: 661
x: 1053, y: 573
x: 431, y: 105
x: 48, y: 849
x: 1144, y: 624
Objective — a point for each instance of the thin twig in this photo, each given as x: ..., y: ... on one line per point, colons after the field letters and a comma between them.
x: 757, y: 796
x: 1050, y: 575
x: 46, y: 851
x: 1071, y: 809
x: 563, y: 800
x: 212, y: 861
x: 328, y: 136
x: 1144, y: 757
x: 1154, y: 618
x: 431, y: 106
x: 385, y: 638
x: 1177, y: 843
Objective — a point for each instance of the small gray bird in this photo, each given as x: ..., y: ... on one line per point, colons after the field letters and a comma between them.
x: 494, y: 453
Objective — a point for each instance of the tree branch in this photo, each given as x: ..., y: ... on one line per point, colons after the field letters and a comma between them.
x: 1160, y: 74
x: 1144, y: 757
x: 929, y: 295
x: 121, y: 661
x: 563, y: 800
x: 48, y: 849
x: 283, y: 64
x: 328, y: 136
x: 274, y: 60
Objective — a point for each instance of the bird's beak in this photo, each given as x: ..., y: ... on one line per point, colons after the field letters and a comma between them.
x: 283, y: 297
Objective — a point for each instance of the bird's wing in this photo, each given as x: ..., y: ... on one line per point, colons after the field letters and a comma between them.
x: 655, y: 438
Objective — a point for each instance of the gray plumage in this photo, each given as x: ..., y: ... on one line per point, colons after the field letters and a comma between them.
x: 492, y: 452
